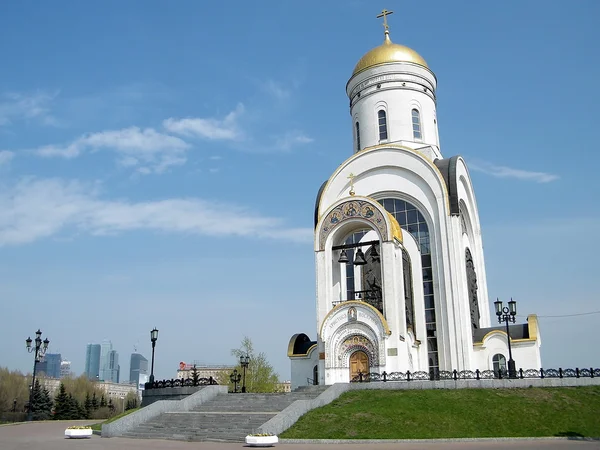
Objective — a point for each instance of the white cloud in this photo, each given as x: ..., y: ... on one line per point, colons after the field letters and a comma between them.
x: 276, y: 90
x: 508, y: 172
x: 17, y: 106
x: 212, y: 129
x: 6, y: 156
x: 291, y: 139
x: 146, y: 149
x: 40, y: 208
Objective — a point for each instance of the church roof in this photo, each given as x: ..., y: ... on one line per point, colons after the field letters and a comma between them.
x: 520, y: 331
x: 388, y: 52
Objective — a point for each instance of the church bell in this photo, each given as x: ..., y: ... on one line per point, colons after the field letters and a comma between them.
x: 359, y: 259
x: 343, y: 257
x: 374, y: 253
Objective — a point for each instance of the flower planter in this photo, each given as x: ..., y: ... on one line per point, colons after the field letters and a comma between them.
x: 78, y: 433
x: 261, y: 441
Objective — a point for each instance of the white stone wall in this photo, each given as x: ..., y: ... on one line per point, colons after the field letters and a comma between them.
x: 396, y: 89
x: 302, y: 368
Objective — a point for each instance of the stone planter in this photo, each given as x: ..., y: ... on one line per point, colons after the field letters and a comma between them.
x: 78, y: 433
x: 261, y: 441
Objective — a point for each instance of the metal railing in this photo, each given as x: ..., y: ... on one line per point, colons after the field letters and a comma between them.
x: 180, y: 382
x: 474, y: 375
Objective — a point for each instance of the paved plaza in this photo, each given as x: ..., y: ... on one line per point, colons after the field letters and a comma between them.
x: 50, y: 436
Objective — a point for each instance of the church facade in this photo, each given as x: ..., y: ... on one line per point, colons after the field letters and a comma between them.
x: 401, y: 279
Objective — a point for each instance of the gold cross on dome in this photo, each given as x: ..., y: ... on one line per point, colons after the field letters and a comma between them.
x: 384, y: 14
x: 351, y: 177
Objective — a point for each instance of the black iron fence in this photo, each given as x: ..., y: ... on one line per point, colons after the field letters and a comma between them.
x: 474, y: 375
x: 181, y: 382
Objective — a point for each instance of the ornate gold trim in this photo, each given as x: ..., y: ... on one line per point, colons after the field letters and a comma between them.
x: 302, y: 355
x: 350, y: 303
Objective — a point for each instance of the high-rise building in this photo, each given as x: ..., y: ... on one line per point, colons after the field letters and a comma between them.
x: 92, y: 361
x: 138, y: 366
x: 112, y: 370
x: 65, y: 368
x: 50, y: 365
x: 105, y: 349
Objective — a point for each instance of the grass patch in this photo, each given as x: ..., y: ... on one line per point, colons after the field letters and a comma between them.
x: 459, y: 413
x: 98, y: 426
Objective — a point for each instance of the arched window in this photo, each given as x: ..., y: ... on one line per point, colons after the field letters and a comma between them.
x: 357, y: 137
x: 382, y: 121
x: 408, y: 291
x: 355, y: 238
x: 411, y: 220
x: 499, y: 362
x: 316, y: 374
x: 416, y: 124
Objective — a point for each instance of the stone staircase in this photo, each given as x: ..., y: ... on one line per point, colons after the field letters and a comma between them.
x: 227, y: 418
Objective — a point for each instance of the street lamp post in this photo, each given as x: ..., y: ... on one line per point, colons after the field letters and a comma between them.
x: 244, y: 362
x: 235, y: 378
x: 39, y: 351
x: 153, y: 338
x: 508, y: 315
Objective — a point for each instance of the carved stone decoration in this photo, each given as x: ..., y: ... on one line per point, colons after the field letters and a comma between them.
x: 472, y: 287
x: 353, y: 209
x: 409, y: 304
x: 352, y: 314
x: 354, y: 343
x: 371, y: 281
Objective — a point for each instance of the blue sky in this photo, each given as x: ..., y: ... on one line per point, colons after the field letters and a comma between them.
x: 159, y: 164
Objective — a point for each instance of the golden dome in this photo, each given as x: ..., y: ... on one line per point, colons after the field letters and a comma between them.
x: 388, y: 52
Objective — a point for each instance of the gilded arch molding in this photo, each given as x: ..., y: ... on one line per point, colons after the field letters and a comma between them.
x: 364, y: 209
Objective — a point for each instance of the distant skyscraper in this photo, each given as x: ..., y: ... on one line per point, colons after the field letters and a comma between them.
x: 92, y: 361
x: 65, y: 368
x: 106, y: 348
x: 50, y: 365
x: 138, y: 366
x: 111, y: 372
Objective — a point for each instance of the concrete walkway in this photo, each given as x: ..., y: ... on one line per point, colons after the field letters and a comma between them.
x: 50, y: 436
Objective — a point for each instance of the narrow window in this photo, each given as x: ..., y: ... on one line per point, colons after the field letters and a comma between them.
x: 416, y: 124
x: 499, y: 362
x: 382, y: 119
x: 357, y: 137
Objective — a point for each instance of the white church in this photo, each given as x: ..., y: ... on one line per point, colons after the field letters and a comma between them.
x: 401, y: 280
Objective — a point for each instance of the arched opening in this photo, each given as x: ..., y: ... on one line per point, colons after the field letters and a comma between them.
x: 316, y: 374
x: 413, y: 221
x: 359, y: 364
x: 357, y: 137
x: 499, y: 363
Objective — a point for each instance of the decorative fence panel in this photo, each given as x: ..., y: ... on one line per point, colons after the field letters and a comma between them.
x: 475, y: 375
x: 181, y: 382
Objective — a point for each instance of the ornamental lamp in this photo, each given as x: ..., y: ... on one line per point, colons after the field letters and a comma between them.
x: 28, y: 342
x: 512, y: 307
x: 154, y: 335
x: 498, y: 305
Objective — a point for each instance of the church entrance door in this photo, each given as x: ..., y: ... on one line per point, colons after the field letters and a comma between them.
x: 359, y: 363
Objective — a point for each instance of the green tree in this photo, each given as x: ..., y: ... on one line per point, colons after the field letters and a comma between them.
x: 41, y: 404
x: 61, y: 404
x: 260, y: 375
x: 102, y: 401
x: 195, y: 375
x: 94, y: 401
x: 131, y: 400
x: 13, y: 386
